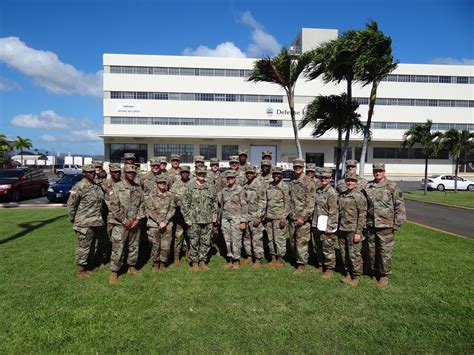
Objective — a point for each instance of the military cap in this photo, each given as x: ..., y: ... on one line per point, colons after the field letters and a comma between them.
x: 266, y: 152
x: 214, y: 161
x: 351, y: 176
x: 184, y: 169
x: 130, y: 168
x: 154, y: 162
x: 266, y: 162
x: 161, y: 178
x: 298, y: 162
x: 310, y: 167
x: 199, y: 158
x: 243, y: 152
x: 277, y: 170
x: 129, y: 156
x: 98, y: 163
x: 250, y: 169
x: 88, y: 168
x: 114, y: 167
x: 175, y: 157
x: 233, y: 159
x: 230, y: 174
x: 378, y: 166
x: 201, y: 170
x: 351, y: 162
x: 318, y: 170
x: 326, y: 172
x: 163, y: 160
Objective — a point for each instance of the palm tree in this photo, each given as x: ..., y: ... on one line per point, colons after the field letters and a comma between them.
x: 420, y: 134
x: 457, y: 142
x: 373, y: 64
x: 20, y: 143
x: 4, y: 148
x: 284, y: 70
x: 332, y: 112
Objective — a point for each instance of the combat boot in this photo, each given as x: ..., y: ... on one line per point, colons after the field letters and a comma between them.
x: 132, y: 270
x: 279, y: 263
x: 156, y: 267
x: 176, y: 261
x: 247, y: 261
x: 346, y: 279
x: 257, y: 264
x: 82, y: 273
x: 203, y: 266
x: 318, y: 269
x: 113, y: 278
x: 354, y: 282
x: 228, y: 264
x: 328, y: 274
x: 299, y: 270
x: 195, y: 267
x: 186, y: 256
x: 271, y: 264
x: 163, y: 267
x: 383, y: 281
x: 236, y: 265
x: 373, y: 280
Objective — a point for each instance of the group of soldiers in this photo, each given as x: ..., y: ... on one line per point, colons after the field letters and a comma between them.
x: 239, y: 207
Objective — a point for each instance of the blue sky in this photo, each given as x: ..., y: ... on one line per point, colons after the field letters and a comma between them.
x: 51, y: 51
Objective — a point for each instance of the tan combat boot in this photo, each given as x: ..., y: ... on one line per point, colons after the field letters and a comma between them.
x: 299, y: 270
x: 318, y: 269
x: 176, y: 261
x: 247, y: 260
x: 328, y: 274
x: 195, y: 267
x: 82, y: 273
x: 257, y: 264
x: 163, y: 267
x: 279, y: 263
x: 156, y: 267
x: 272, y: 263
x: 373, y: 280
x: 236, y: 265
x: 354, y: 282
x: 346, y: 279
x: 113, y: 278
x: 383, y: 282
x: 132, y: 270
x: 203, y: 266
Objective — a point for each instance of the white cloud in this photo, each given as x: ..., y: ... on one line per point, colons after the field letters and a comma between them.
x: 226, y: 49
x: 46, y: 119
x: 452, y: 61
x: 47, y: 138
x: 87, y: 135
x: 8, y: 85
x: 47, y: 70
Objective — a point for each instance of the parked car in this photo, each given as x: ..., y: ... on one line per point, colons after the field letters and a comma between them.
x: 67, y: 169
x: 59, y: 192
x: 446, y: 182
x: 18, y: 183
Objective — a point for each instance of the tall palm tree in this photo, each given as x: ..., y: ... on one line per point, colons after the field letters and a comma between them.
x: 20, y: 143
x: 373, y: 64
x: 457, y: 142
x: 421, y: 134
x: 283, y: 70
x: 4, y: 148
x: 332, y: 112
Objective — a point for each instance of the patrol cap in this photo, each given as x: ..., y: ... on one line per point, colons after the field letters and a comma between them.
x: 351, y: 176
x: 98, y: 163
x: 266, y: 153
x: 233, y: 159
x: 114, y: 167
x: 184, y: 169
x: 378, y: 166
x: 175, y: 157
x: 130, y: 168
x: 277, y: 170
x: 310, y: 167
x: 250, y: 169
x: 161, y: 178
x: 298, y: 162
x: 266, y: 162
x: 243, y: 152
x: 230, y: 174
x: 163, y: 160
x: 129, y: 156
x: 351, y: 162
x: 214, y: 161
x: 318, y: 170
x: 201, y: 171
x: 199, y: 158
x: 326, y: 172
x: 88, y: 168
x: 154, y: 162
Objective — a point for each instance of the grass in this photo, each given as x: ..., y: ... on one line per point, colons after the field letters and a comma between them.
x: 461, y: 198
x: 427, y: 308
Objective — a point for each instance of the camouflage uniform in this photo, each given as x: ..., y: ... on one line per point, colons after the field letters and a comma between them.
x: 302, y: 194
x: 125, y: 203
x: 160, y: 208
x: 173, y: 174
x: 341, y: 184
x: 216, y: 178
x: 278, y: 208
x: 265, y: 178
x: 385, y: 214
x: 352, y: 220
x: 107, y: 187
x: 326, y: 204
x: 200, y: 207
x: 233, y: 211
x: 85, y: 212
x: 178, y: 189
x: 255, y: 196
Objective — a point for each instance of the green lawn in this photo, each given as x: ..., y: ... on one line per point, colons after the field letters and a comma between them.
x: 461, y: 198
x: 427, y: 308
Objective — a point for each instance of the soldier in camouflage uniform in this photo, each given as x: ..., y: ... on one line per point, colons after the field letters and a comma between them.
x: 351, y: 167
x: 302, y: 194
x: 214, y: 176
x: 173, y: 172
x: 278, y: 209
x: 233, y: 213
x: 148, y: 180
x: 100, y: 174
x: 266, y: 171
x: 234, y: 165
x: 85, y: 212
x: 325, y: 240
x: 102, y: 243
x: 125, y: 203
x: 352, y: 220
x: 160, y: 208
x: 256, y: 198
x: 200, y: 213
x: 199, y: 161
x: 130, y: 159
x: 115, y: 177
x: 267, y: 155
x: 385, y: 214
x: 178, y: 189
x: 242, y: 167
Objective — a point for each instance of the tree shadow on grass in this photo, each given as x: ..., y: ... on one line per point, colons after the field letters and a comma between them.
x: 30, y: 227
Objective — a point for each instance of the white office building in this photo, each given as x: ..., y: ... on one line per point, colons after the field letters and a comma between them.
x: 158, y: 105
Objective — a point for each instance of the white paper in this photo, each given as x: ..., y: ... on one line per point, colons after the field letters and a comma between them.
x: 323, y: 224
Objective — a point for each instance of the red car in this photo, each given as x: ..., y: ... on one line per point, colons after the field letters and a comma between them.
x: 18, y: 183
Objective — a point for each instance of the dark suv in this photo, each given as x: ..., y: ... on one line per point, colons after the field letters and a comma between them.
x: 22, y: 182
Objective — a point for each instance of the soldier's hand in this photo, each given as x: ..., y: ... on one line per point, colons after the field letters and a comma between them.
x: 189, y: 223
x: 328, y: 231
x: 162, y: 225
x: 356, y: 238
x: 128, y: 225
x: 242, y: 226
x: 282, y: 224
x: 299, y: 221
x: 256, y: 222
x: 134, y: 224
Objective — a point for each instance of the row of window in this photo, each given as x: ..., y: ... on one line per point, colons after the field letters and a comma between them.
x: 140, y: 95
x: 402, y: 78
x: 405, y: 153
x: 434, y: 126
x: 415, y: 102
x: 184, y: 121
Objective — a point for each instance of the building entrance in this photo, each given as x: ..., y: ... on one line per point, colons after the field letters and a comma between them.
x: 255, y: 154
x: 315, y: 158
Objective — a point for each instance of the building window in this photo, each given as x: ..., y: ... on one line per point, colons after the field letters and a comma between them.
x: 118, y: 149
x: 186, y: 151
x: 208, y: 151
x: 228, y: 150
x: 405, y: 153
